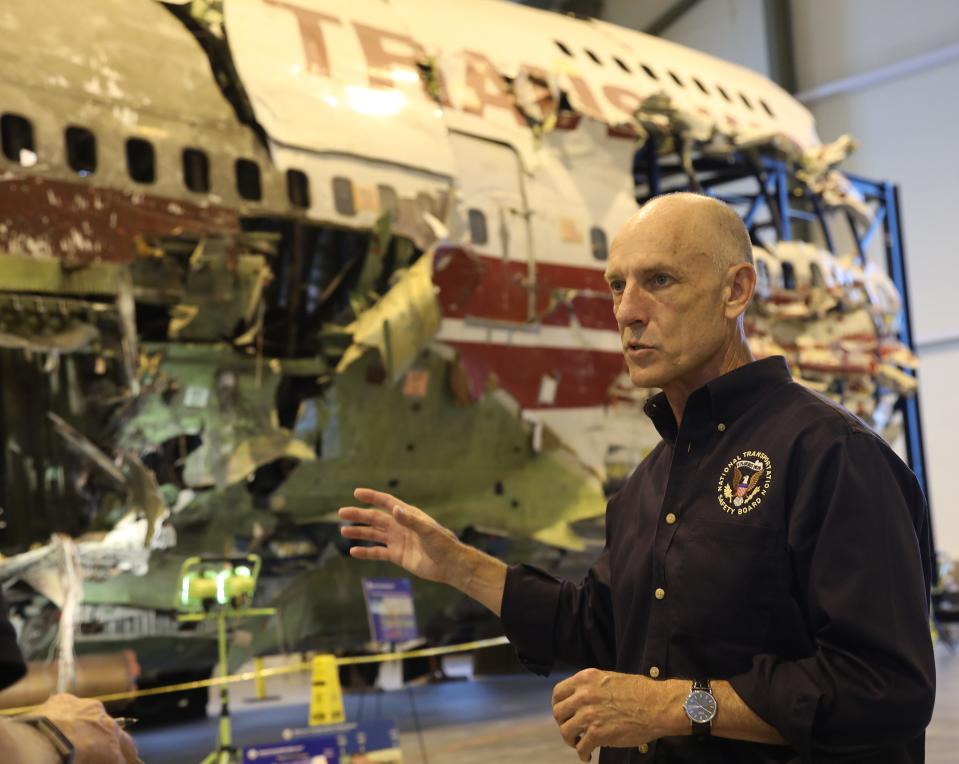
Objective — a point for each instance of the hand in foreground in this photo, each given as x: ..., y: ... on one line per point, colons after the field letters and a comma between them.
x: 96, y: 737
x: 407, y: 536
x: 601, y: 708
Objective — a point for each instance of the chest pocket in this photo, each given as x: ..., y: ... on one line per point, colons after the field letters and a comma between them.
x: 722, y: 580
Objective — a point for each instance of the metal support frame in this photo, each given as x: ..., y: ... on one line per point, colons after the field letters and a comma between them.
x: 784, y: 202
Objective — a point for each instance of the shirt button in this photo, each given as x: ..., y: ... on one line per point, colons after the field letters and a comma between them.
x: 654, y: 672
x: 660, y: 593
x: 644, y: 748
x: 721, y: 427
x: 670, y: 519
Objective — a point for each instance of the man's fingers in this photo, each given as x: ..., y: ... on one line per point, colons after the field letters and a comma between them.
x: 128, y: 748
x: 376, y: 498
x: 570, y: 730
x: 370, y: 553
x: 586, y: 745
x: 363, y: 533
x: 565, y: 710
x: 564, y: 689
x: 366, y: 516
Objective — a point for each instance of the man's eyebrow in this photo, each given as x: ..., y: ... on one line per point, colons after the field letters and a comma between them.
x: 646, y: 270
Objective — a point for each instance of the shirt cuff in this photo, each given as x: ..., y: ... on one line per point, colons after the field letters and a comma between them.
x: 784, y: 696
x: 528, y: 613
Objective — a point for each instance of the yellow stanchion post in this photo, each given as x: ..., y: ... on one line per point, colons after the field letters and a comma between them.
x: 326, y: 696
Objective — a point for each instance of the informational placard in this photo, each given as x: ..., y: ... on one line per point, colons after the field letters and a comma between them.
x: 356, y: 738
x: 389, y: 605
x: 314, y: 749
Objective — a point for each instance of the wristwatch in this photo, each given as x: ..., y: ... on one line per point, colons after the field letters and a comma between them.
x: 700, y: 707
x: 61, y: 743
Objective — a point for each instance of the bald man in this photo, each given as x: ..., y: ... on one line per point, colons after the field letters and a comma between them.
x: 763, y: 594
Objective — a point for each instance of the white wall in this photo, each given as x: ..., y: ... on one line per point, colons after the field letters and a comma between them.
x: 906, y: 128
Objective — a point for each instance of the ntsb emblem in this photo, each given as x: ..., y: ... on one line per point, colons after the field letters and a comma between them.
x: 744, y: 482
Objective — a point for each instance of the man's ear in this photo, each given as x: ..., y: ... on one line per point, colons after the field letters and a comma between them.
x: 741, y: 287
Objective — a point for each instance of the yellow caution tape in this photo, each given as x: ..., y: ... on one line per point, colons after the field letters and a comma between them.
x: 293, y: 668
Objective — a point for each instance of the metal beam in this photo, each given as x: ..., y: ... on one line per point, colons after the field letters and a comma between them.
x: 779, y: 43
x: 673, y: 14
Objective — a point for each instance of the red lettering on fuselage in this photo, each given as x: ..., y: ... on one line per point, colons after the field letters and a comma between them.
x: 311, y: 33
x: 488, y: 88
x: 387, y: 52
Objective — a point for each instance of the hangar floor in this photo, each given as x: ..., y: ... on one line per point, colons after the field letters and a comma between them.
x: 503, y: 719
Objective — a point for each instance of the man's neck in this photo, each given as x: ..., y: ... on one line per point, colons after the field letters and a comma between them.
x: 730, y: 357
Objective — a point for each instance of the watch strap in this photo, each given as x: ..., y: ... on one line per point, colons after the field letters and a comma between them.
x: 701, y: 730
x: 54, y: 734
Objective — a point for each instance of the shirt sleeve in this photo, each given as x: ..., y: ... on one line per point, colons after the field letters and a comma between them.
x: 860, y: 545
x: 550, y: 620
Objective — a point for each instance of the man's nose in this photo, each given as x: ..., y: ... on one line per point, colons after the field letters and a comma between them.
x: 633, y: 307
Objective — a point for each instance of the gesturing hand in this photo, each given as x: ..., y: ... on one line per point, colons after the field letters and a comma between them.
x: 601, y: 708
x: 408, y: 536
x: 96, y: 737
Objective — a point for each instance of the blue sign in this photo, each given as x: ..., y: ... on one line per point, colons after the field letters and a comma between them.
x: 316, y: 749
x: 354, y: 738
x: 389, y: 604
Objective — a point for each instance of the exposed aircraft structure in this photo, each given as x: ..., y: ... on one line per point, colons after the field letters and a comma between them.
x: 256, y: 252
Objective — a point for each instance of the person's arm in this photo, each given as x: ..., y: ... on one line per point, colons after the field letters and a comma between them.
x: 603, y: 708
x: 862, y: 561
x: 22, y: 744
x: 408, y: 537
x: 546, y: 618
x: 95, y: 736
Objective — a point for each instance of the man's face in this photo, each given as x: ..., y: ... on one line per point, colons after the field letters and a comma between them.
x: 668, y: 302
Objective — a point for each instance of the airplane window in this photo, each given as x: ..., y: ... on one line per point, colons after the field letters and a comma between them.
x: 389, y: 201
x: 597, y: 242
x: 81, y: 150
x: 16, y: 135
x: 593, y: 56
x: 248, y: 179
x: 746, y: 101
x: 477, y: 222
x: 298, y: 188
x: 141, y: 160
x: 723, y: 93
x: 816, y: 276
x: 563, y: 48
x: 622, y: 65
x: 789, y: 276
x: 700, y: 85
x: 649, y: 71
x: 343, y: 196
x: 676, y: 79
x: 424, y: 203
x: 762, y: 277
x: 766, y: 107
x: 196, y: 170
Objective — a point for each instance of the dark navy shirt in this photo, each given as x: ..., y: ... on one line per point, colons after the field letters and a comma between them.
x: 791, y: 551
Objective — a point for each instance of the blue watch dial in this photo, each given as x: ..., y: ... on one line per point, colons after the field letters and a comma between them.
x: 700, y: 706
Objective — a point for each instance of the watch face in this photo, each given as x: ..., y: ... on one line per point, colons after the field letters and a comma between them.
x: 700, y: 706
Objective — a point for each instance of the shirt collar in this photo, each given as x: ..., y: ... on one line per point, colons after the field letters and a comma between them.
x: 723, y: 399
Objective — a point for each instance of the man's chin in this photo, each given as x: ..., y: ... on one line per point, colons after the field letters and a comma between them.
x: 647, y: 376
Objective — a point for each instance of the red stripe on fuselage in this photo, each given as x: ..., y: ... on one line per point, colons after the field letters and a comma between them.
x: 502, y: 293
x: 584, y: 376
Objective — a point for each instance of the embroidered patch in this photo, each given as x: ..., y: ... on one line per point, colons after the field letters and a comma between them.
x: 744, y: 482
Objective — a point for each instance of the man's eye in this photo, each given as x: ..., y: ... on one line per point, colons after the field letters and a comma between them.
x: 662, y: 279
x: 617, y: 286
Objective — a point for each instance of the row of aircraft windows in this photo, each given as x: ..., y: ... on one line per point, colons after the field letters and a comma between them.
x: 479, y: 234
x: 17, y: 144
x: 651, y: 73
